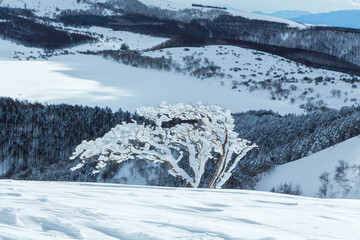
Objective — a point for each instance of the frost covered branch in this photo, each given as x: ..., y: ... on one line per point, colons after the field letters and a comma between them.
x: 192, y: 133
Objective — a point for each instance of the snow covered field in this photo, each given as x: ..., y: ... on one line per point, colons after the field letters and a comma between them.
x: 249, y: 61
x: 306, y: 172
x: 93, y: 80
x: 47, y: 210
x: 247, y: 70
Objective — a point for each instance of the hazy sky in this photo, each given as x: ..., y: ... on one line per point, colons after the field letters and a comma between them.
x: 314, y: 6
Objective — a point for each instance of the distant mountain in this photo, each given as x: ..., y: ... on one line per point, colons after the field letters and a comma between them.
x: 287, y: 14
x: 345, y: 18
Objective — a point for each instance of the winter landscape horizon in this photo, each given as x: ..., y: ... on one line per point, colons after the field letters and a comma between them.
x: 179, y: 119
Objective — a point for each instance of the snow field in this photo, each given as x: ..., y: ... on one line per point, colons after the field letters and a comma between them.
x: 245, y: 69
x: 43, y: 210
x: 93, y: 80
x: 46, y: 8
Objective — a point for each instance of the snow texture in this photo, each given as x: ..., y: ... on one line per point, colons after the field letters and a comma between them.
x: 46, y: 210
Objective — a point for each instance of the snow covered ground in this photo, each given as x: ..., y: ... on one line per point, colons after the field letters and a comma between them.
x: 47, y: 210
x: 109, y: 39
x: 49, y: 7
x: 176, y: 5
x: 248, y: 62
x: 251, y: 79
x: 93, y: 80
x: 247, y: 70
x: 306, y: 171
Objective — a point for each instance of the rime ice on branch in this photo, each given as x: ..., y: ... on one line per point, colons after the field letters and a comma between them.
x: 195, y: 131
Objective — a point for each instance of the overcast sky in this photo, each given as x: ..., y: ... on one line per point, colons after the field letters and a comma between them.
x: 314, y: 6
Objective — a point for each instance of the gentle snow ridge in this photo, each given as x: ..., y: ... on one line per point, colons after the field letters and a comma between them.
x: 306, y: 171
x: 176, y: 5
x: 46, y: 210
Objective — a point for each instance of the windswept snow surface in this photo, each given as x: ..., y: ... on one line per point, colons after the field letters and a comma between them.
x: 47, y: 210
x: 306, y: 172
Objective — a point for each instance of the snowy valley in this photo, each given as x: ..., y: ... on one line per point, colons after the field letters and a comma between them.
x: 258, y: 76
x: 175, y: 94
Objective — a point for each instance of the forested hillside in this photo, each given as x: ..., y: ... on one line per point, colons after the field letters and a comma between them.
x: 317, y: 46
x: 19, y: 25
x: 284, y: 139
x: 36, y: 142
x: 218, y: 25
x: 32, y: 134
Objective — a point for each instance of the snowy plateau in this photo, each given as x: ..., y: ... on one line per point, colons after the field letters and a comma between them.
x: 37, y: 210
x: 269, y: 74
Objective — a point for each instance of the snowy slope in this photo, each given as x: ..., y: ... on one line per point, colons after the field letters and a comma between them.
x: 306, y: 171
x: 48, y: 7
x: 176, y: 5
x: 251, y: 78
x: 45, y: 210
x: 93, y: 80
x: 51, y: 8
x: 109, y: 39
x: 248, y: 70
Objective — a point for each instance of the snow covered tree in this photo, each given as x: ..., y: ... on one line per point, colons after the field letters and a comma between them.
x: 176, y: 133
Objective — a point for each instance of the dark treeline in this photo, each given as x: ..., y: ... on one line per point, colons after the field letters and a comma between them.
x: 208, y: 6
x: 30, y: 33
x: 36, y: 141
x: 310, y: 46
x: 193, y: 65
x: 284, y: 139
x: 31, y: 133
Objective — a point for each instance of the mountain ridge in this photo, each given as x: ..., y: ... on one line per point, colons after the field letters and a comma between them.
x: 287, y: 14
x: 344, y: 18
